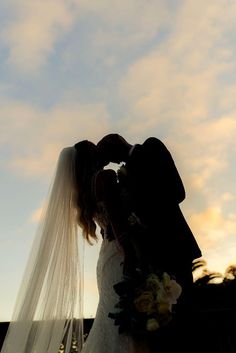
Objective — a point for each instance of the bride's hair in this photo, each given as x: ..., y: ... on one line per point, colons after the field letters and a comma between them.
x: 86, y: 165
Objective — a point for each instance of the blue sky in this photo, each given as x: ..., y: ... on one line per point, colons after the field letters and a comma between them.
x: 76, y: 69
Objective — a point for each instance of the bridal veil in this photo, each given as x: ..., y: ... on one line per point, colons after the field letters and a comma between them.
x: 48, y: 309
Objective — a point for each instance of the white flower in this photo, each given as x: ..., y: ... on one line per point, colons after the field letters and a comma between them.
x: 144, y: 302
x: 165, y: 279
x: 153, y: 282
x: 169, y: 292
x: 174, y: 290
x: 152, y: 325
x: 162, y: 295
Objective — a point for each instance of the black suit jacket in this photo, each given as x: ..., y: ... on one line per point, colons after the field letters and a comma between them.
x: 156, y: 189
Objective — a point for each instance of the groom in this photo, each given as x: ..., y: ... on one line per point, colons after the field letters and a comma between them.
x: 154, y: 191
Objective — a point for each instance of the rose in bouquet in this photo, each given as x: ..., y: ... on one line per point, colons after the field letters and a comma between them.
x: 146, y: 302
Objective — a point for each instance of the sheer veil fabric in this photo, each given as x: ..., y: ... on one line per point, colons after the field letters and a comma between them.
x: 49, y: 305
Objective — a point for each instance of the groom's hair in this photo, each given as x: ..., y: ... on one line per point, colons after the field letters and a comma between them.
x: 111, y: 146
x: 111, y: 140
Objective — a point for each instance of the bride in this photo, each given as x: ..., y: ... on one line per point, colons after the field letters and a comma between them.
x: 48, y: 310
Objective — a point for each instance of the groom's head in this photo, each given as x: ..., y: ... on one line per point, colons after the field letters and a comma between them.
x: 113, y: 148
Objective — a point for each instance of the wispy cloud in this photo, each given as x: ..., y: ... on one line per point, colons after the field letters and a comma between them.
x: 169, y: 84
x: 32, y: 31
x: 212, y: 226
x: 177, y: 88
x: 36, y: 215
x: 35, y: 137
x: 144, y: 17
x: 36, y: 27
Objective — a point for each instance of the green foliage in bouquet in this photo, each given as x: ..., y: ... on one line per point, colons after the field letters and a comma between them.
x: 145, y: 302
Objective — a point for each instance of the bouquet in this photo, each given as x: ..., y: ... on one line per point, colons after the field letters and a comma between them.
x: 145, y: 303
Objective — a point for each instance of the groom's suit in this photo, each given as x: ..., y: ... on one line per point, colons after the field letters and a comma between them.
x: 155, y: 190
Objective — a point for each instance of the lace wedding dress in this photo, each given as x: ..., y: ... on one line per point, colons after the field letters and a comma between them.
x: 104, y: 336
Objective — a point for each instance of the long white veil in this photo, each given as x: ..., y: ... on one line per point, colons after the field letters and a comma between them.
x: 48, y: 311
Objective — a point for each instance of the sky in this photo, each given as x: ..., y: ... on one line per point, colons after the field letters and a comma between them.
x: 76, y: 69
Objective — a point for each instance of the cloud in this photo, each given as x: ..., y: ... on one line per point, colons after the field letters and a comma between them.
x: 177, y: 90
x: 180, y: 72
x: 227, y: 196
x: 138, y: 16
x: 211, y: 226
x: 34, y: 137
x: 128, y: 24
x: 36, y: 215
x: 33, y: 29
x: 207, y: 150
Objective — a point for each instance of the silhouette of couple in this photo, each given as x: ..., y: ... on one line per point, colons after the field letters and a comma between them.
x: 151, y: 189
x: 137, y: 210
x: 142, y: 227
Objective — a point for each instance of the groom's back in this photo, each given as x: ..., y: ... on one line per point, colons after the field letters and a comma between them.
x: 156, y: 190
x: 153, y: 179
